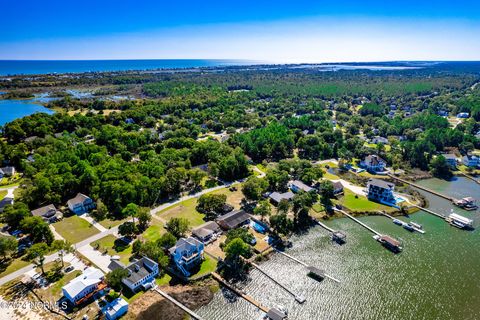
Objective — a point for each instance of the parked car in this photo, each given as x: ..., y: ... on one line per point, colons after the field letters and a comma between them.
x: 68, y: 269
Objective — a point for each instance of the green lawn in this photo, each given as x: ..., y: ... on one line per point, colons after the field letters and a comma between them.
x: 165, y: 280
x: 360, y: 203
x: 108, y: 223
x: 114, y: 247
x: 153, y: 232
x: 208, y: 265
x: 317, y: 207
x: 75, y: 229
x: 3, y: 194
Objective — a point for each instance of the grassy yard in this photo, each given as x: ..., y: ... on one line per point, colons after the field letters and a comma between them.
x: 3, y: 194
x: 153, y: 232
x: 75, y: 229
x: 360, y: 203
x: 108, y: 223
x: 114, y: 247
x: 186, y: 209
x: 163, y: 281
x: 208, y: 265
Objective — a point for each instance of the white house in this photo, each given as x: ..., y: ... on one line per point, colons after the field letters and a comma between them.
x: 80, y: 204
x: 186, y: 254
x: 471, y: 161
x: 115, y: 309
x: 84, y: 286
x: 373, y: 163
x: 141, y: 274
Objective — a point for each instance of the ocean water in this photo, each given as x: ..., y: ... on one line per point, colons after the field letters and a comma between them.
x: 436, y: 277
x: 12, y: 67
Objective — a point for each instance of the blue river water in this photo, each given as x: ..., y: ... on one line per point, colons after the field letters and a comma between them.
x: 14, y: 109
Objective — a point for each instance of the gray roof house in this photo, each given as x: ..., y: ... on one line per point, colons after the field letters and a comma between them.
x: 233, y: 219
x: 7, y: 171
x: 297, y: 186
x: 206, y: 231
x: 276, y: 197
x: 140, y: 274
x: 80, y: 204
x: 5, y: 202
x: 48, y: 213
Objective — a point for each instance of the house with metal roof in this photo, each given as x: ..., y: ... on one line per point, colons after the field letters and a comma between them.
x: 83, y: 286
x: 187, y: 254
x: 233, y: 219
x: 373, y: 163
x: 49, y: 213
x: 81, y: 204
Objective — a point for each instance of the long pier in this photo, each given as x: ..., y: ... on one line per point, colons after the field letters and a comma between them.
x: 298, y: 298
x: 304, y: 264
x: 359, y: 222
x: 471, y: 178
x: 422, y: 188
x: 248, y: 298
x: 323, y: 225
x: 178, y: 304
x: 431, y: 212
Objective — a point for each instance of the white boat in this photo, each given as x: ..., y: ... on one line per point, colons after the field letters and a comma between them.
x: 416, y: 225
x: 460, y: 221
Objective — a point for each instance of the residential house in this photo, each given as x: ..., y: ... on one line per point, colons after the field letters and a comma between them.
x: 297, y: 186
x: 80, y: 204
x: 233, y: 219
x: 7, y: 172
x: 337, y: 188
x: 470, y: 161
x: 373, y: 163
x: 49, y: 213
x: 451, y: 159
x: 5, y: 202
x: 463, y: 115
x: 378, y: 139
x: 381, y: 191
x: 84, y: 286
x: 115, y: 309
x: 187, y: 254
x: 276, y: 197
x: 206, y: 231
x: 141, y: 274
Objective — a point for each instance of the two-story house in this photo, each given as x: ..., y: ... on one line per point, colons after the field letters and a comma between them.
x: 471, y: 161
x: 48, y: 213
x: 141, y: 274
x: 373, y: 163
x: 187, y: 254
x: 81, y: 204
x: 451, y: 159
x: 381, y: 191
x: 7, y: 172
x: 84, y: 286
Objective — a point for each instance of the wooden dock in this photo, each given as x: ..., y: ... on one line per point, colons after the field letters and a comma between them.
x: 323, y: 225
x: 471, y: 178
x: 248, y: 298
x: 299, y: 298
x: 178, y: 304
x: 304, y: 264
x: 431, y: 212
x: 359, y: 222
x: 422, y: 188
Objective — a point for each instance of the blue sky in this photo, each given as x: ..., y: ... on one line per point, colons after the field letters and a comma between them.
x: 277, y: 31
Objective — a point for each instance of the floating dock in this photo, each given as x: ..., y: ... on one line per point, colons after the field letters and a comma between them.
x: 402, y: 223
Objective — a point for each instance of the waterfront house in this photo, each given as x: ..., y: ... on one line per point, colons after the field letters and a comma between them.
x: 451, y: 159
x: 115, y: 309
x: 187, y: 254
x: 233, y: 219
x: 470, y: 161
x: 141, y: 274
x: 7, y: 172
x: 49, y: 213
x: 276, y: 197
x: 381, y: 191
x: 80, y: 204
x: 206, y: 231
x: 297, y: 186
x: 373, y: 163
x: 84, y: 286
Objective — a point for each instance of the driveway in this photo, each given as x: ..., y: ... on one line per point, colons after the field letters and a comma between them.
x: 101, y: 260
